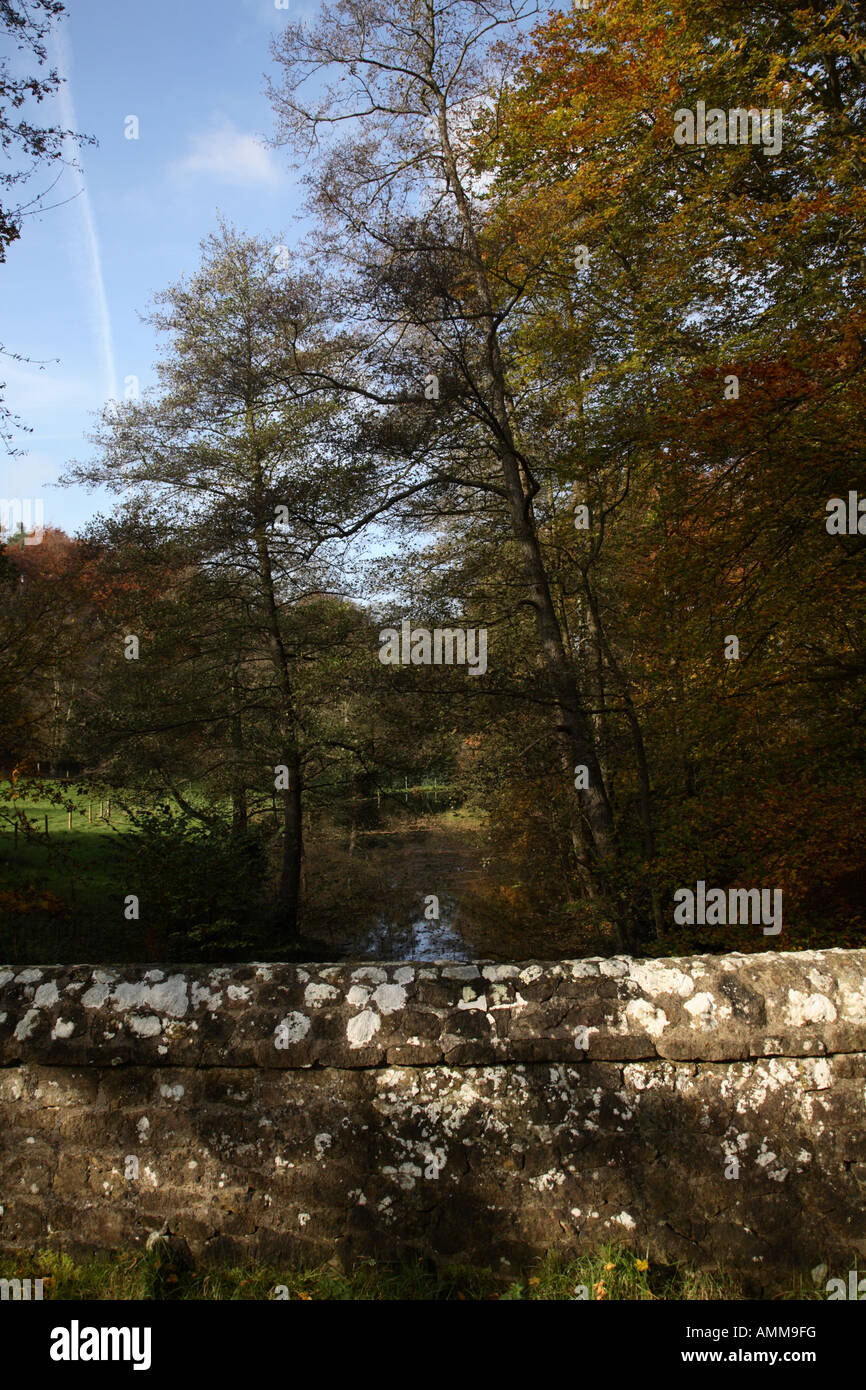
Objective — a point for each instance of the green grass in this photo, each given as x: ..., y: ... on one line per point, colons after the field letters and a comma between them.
x: 611, y: 1274
x: 50, y: 883
x: 62, y: 895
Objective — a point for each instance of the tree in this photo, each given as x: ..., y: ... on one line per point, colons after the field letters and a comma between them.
x: 402, y: 211
x: 235, y: 476
x: 44, y: 611
x: 701, y: 267
x: 589, y: 286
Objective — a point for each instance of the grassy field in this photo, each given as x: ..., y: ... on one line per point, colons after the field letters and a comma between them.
x: 72, y: 841
x: 62, y: 876
x: 612, y: 1274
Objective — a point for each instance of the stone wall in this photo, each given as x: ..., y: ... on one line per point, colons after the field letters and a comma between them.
x: 708, y: 1108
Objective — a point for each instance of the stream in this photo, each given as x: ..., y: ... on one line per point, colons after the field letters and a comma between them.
x: 425, y: 890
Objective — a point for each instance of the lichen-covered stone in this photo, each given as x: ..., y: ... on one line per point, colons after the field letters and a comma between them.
x: 709, y: 1108
x: 713, y: 1008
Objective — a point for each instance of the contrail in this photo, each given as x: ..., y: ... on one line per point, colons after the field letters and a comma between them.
x: 99, y: 300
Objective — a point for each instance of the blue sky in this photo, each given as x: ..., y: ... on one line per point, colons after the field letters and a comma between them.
x: 73, y: 287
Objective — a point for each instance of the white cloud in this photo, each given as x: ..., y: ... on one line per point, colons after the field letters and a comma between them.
x: 226, y: 153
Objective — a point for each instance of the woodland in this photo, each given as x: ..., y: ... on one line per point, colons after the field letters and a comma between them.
x: 540, y: 371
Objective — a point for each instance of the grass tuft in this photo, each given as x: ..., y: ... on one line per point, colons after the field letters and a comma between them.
x: 611, y: 1274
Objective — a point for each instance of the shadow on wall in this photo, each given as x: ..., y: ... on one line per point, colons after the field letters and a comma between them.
x: 744, y: 1166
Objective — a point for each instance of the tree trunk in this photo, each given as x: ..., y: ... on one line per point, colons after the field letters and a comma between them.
x: 239, y: 792
x: 240, y: 821
x: 593, y: 804
x: 289, y: 892
x: 638, y: 746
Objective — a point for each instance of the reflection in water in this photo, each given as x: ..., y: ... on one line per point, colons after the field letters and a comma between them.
x: 370, y: 881
x: 419, y: 940
x: 371, y: 871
